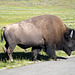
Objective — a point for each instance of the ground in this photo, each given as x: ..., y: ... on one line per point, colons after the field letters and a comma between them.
x: 12, y: 11
x: 62, y: 67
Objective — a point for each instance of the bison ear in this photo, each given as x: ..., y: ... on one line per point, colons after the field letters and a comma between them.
x: 71, y: 34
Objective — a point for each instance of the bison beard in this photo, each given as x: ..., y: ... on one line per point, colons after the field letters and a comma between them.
x: 45, y: 32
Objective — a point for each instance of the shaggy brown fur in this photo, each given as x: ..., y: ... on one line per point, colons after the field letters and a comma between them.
x: 52, y: 27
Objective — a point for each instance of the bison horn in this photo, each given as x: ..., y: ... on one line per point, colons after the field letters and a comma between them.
x: 71, y: 34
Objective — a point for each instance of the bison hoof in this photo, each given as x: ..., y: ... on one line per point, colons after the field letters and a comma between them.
x: 37, y: 61
x: 12, y: 60
x: 57, y: 59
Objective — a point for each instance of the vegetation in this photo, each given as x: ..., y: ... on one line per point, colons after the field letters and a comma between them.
x: 12, y: 11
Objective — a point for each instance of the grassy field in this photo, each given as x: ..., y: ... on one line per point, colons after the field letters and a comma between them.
x: 12, y: 11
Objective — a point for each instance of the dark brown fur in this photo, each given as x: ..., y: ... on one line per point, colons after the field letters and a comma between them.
x: 52, y: 27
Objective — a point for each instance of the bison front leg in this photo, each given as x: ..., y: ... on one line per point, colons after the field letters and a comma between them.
x: 35, y: 52
x: 51, y: 52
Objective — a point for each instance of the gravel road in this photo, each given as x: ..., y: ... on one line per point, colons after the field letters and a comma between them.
x: 62, y: 67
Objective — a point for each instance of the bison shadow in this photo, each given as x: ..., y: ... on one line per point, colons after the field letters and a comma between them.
x: 26, y: 56
x: 23, y: 56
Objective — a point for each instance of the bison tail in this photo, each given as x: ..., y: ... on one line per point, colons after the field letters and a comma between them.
x: 1, y: 34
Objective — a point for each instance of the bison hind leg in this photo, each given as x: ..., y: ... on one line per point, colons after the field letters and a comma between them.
x: 8, y: 48
x: 5, y: 48
x: 10, y: 51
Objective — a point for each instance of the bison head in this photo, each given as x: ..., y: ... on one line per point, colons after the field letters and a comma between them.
x: 69, y: 41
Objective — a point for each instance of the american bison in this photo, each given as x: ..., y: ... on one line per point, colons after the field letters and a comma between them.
x: 46, y: 32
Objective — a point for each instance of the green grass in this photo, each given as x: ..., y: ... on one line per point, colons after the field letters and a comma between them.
x: 15, y: 11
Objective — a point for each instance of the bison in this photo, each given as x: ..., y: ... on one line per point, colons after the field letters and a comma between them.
x: 46, y: 32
